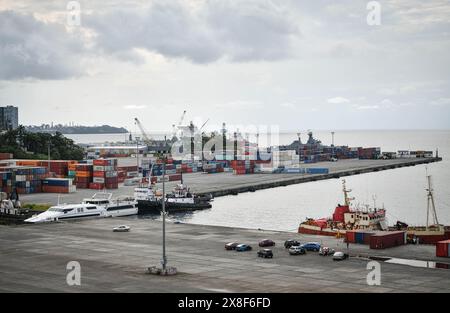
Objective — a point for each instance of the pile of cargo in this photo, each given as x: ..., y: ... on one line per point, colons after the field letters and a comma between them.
x: 6, y: 156
x: 443, y: 248
x: 126, y: 172
x: 242, y: 167
x: 214, y: 167
x: 83, y: 175
x: 57, y: 168
x: 58, y: 185
x: 369, y: 153
x: 104, y: 174
x: 376, y: 239
x: 25, y: 180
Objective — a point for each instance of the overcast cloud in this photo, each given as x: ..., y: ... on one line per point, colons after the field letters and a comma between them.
x: 293, y: 61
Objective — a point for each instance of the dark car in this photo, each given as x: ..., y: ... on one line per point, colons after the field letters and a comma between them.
x: 243, y: 247
x: 291, y: 242
x: 265, y: 253
x: 266, y: 243
x: 311, y: 246
x: 231, y: 246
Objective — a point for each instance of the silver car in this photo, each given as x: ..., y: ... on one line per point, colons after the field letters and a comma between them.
x: 339, y: 256
x: 121, y: 228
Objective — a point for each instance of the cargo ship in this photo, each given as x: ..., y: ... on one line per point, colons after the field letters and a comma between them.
x: 346, y: 217
x: 430, y: 233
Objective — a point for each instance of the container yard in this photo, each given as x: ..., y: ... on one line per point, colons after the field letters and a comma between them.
x: 117, y: 262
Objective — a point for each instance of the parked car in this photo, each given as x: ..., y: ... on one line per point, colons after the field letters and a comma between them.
x: 296, y: 250
x: 243, y: 247
x: 339, y: 256
x: 231, y: 245
x: 291, y: 242
x: 265, y: 253
x: 121, y: 228
x: 326, y: 251
x: 266, y: 243
x: 311, y: 246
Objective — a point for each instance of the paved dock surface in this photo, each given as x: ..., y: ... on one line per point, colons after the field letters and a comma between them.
x: 222, y: 183
x: 33, y: 258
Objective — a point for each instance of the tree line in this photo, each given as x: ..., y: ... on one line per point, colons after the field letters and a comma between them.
x: 30, y: 145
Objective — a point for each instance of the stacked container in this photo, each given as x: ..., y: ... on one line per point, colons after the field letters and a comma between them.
x: 25, y: 179
x: 105, y: 174
x: 84, y: 174
x: 359, y: 236
x: 58, y: 185
x: 241, y: 167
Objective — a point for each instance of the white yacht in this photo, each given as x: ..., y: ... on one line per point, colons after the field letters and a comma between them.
x: 100, y: 205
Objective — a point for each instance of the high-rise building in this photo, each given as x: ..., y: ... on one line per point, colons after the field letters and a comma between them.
x: 9, y: 117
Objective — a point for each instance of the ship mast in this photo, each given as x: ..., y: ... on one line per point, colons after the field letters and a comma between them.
x: 347, y: 199
x: 430, y: 204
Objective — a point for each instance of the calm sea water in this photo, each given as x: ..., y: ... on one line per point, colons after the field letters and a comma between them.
x: 402, y: 191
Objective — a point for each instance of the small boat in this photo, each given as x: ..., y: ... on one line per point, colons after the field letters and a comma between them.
x: 430, y: 233
x: 99, y: 205
x: 345, y: 218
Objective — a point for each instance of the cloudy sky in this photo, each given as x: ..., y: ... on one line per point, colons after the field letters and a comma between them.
x: 297, y: 64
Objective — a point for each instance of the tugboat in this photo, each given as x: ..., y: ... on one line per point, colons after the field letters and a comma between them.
x: 346, y: 218
x: 430, y: 233
x: 180, y: 200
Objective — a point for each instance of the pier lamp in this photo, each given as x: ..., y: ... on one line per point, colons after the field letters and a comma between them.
x: 298, y: 151
x: 165, y: 270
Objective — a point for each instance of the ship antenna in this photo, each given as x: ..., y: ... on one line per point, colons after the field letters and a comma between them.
x: 430, y: 203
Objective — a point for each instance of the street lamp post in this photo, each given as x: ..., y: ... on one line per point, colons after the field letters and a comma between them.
x: 298, y: 150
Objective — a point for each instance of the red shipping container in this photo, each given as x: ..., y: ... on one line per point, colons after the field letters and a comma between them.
x: 350, y: 236
x: 442, y: 248
x: 98, y: 174
x: 96, y: 186
x: 388, y: 239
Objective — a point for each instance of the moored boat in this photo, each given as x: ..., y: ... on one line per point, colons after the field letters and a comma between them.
x: 346, y: 217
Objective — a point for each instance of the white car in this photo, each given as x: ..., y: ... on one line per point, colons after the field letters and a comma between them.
x: 121, y: 228
x: 339, y: 256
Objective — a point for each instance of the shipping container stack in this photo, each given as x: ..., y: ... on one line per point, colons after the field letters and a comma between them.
x: 214, y: 167
x: 242, y: 167
x: 104, y: 174
x: 58, y: 185
x: 72, y: 170
x: 84, y: 174
x: 376, y: 239
x: 369, y: 153
x: 124, y: 172
x: 6, y: 156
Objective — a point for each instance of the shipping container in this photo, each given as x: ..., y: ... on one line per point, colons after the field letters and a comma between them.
x: 350, y: 236
x: 442, y: 248
x: 387, y: 239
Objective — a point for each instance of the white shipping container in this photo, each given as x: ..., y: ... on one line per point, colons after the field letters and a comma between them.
x: 99, y: 180
x: 21, y: 178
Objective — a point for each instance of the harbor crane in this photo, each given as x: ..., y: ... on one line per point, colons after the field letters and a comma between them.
x: 148, y: 140
x: 179, y: 124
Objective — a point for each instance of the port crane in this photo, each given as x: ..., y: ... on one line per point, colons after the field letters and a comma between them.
x: 148, y: 140
x: 178, y: 125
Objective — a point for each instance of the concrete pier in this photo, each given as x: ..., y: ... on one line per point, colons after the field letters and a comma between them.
x: 33, y: 258
x: 222, y: 184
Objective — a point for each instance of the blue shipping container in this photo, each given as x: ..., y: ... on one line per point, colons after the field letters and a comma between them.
x: 359, y: 238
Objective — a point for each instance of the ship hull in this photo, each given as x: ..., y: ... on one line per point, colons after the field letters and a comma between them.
x: 145, y: 207
x: 316, y: 230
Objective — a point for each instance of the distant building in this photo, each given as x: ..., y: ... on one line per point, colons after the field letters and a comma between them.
x: 9, y: 117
